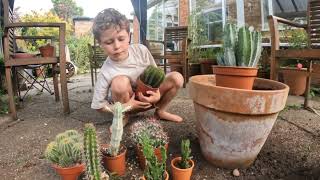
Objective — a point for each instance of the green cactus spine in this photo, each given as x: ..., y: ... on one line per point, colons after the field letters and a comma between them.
x: 117, y: 127
x: 152, y: 76
x: 66, y: 150
x: 242, y: 47
x: 91, y: 152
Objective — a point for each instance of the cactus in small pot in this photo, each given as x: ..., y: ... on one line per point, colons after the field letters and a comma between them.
x: 242, y: 47
x: 65, y: 152
x: 185, y: 154
x: 152, y: 76
x: 92, y: 155
x: 181, y: 167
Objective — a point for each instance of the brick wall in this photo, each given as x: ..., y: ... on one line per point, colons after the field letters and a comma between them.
x: 82, y: 27
x: 135, y: 33
x: 183, y: 12
x: 252, y: 9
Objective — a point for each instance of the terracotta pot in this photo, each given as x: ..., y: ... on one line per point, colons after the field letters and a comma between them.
x: 141, y: 87
x: 205, y: 65
x: 296, y: 79
x: 70, y: 173
x: 167, y: 176
x: 23, y: 55
x: 115, y: 164
x: 233, y: 124
x: 178, y: 173
x: 142, y: 159
x: 46, y: 51
x: 235, y: 77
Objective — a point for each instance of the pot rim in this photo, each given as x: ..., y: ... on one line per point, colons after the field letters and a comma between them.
x: 178, y: 159
x: 113, y: 157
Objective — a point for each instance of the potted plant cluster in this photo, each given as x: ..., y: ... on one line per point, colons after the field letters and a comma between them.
x: 237, y: 66
x: 153, y: 129
x: 181, y: 167
x: 65, y: 153
x: 207, y: 59
x: 150, y: 80
x: 114, y: 154
x: 155, y: 167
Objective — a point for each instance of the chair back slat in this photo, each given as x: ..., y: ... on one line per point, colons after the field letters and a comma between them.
x: 314, y: 23
x: 176, y: 33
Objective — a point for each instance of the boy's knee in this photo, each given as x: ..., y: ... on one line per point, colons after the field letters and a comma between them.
x: 177, y: 79
x: 120, y: 84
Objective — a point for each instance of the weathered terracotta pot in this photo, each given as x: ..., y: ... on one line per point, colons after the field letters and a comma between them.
x: 70, y: 173
x: 141, y: 87
x: 142, y: 159
x: 233, y: 124
x: 235, y: 76
x: 47, y: 50
x: 178, y: 173
x: 115, y: 164
x: 167, y: 176
x: 296, y: 79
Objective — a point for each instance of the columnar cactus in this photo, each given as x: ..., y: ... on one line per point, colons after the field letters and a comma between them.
x: 91, y: 153
x: 152, y: 76
x: 117, y: 127
x: 66, y: 149
x: 185, y: 154
x: 242, y: 47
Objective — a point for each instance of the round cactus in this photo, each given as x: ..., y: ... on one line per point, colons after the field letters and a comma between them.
x: 152, y: 76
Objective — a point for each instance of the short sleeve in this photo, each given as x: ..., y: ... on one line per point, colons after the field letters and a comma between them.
x: 99, y: 99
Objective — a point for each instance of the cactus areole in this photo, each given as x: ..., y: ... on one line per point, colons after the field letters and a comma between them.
x: 241, y: 53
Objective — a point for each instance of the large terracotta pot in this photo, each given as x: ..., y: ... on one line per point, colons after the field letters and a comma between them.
x: 142, y: 159
x: 178, y: 173
x: 233, y: 124
x: 206, y: 65
x: 115, y: 164
x: 70, y: 173
x: 166, y: 176
x: 234, y: 76
x: 296, y: 79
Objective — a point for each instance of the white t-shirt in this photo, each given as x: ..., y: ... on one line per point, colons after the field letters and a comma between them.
x: 139, y: 58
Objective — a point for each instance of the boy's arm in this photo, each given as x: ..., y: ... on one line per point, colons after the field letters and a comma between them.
x: 99, y: 100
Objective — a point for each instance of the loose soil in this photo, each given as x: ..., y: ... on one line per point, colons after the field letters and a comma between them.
x: 292, y: 150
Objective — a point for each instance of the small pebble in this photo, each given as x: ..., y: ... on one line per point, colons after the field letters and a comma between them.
x: 236, y: 172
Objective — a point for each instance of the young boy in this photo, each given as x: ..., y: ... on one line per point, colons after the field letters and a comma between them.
x: 125, y: 62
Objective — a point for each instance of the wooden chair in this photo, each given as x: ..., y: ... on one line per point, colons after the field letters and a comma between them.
x: 157, y: 53
x: 11, y: 62
x: 309, y: 54
x: 97, y: 57
x: 177, y: 56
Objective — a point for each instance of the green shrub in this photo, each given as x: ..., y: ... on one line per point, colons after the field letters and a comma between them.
x: 79, y: 52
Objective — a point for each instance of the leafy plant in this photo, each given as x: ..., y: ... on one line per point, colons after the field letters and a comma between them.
x: 66, y: 149
x: 155, y: 170
x: 151, y: 128
x: 152, y: 76
x: 185, y: 154
x: 241, y: 47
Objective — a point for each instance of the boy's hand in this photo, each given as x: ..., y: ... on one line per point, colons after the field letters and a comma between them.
x: 153, y: 97
x: 137, y: 105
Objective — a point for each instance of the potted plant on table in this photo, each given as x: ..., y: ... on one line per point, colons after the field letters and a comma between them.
x: 47, y: 50
x: 114, y: 154
x: 92, y: 155
x: 153, y: 129
x: 155, y: 167
x: 65, y: 152
x: 181, y: 167
x: 150, y: 80
x: 237, y: 67
x: 207, y: 59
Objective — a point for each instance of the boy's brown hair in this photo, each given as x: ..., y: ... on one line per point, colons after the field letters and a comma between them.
x: 109, y: 18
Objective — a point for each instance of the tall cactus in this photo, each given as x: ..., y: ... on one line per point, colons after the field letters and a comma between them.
x: 242, y: 47
x: 152, y: 76
x: 91, y: 152
x: 117, y: 127
x: 66, y: 149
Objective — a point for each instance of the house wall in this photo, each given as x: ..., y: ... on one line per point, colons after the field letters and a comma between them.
x: 183, y: 12
x: 252, y: 9
x: 82, y: 27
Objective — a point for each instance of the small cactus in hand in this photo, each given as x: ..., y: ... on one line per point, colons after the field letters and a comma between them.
x: 117, y: 127
x: 91, y: 153
x: 66, y: 149
x: 185, y: 154
x: 152, y: 76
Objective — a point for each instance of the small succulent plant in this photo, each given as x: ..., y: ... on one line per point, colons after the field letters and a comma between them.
x: 151, y: 128
x: 66, y: 149
x: 152, y: 76
x: 185, y: 154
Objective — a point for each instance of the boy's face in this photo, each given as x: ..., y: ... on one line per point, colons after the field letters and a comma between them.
x: 115, y: 43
